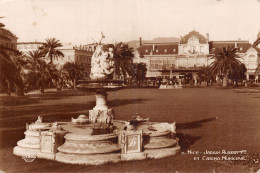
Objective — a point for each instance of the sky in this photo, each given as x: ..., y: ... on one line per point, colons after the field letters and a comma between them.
x: 82, y: 21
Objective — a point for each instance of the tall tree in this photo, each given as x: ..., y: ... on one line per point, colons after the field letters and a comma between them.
x: 10, y: 78
x: 238, y: 75
x: 139, y: 72
x: 123, y: 59
x: 257, y: 41
x: 73, y: 72
x: 225, y: 62
x: 49, y: 48
x: 205, y: 74
x: 43, y: 73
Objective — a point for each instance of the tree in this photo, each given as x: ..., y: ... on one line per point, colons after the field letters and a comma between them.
x: 139, y: 72
x: 205, y: 74
x: 257, y: 70
x: 49, y: 48
x: 123, y: 59
x: 73, y: 72
x: 10, y: 78
x: 257, y: 41
x: 41, y: 71
x: 238, y: 75
x: 225, y: 62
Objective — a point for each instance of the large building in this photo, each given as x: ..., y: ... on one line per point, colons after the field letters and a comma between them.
x: 185, y: 57
x: 78, y: 54
x: 8, y: 40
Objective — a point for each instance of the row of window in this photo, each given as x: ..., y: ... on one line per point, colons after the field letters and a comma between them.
x: 83, y: 58
x: 28, y: 46
x: 8, y: 45
x: 171, y: 63
x: 78, y: 58
x: 165, y: 50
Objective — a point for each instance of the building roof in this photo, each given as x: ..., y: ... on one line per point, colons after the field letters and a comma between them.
x: 30, y: 43
x: 159, y: 49
x: 165, y: 40
x: 8, y: 32
x: 202, y: 39
x: 242, y: 46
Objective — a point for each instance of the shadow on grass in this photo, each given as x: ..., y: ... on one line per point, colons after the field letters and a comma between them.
x: 16, y: 101
x: 36, y: 98
x: 194, y: 124
x: 186, y: 140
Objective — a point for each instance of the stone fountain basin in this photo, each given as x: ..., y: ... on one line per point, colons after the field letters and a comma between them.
x: 94, y: 85
x: 82, y: 146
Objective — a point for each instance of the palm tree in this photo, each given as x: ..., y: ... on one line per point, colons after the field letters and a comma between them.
x: 43, y: 73
x: 139, y: 72
x: 10, y: 78
x: 257, y: 41
x: 123, y: 59
x: 225, y: 62
x: 73, y: 72
x: 205, y: 74
x: 6, y: 70
x: 239, y: 75
x: 257, y: 70
x: 50, y: 49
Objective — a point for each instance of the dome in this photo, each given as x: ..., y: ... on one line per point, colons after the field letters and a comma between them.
x: 202, y: 39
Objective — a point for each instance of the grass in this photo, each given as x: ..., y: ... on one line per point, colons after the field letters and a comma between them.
x: 207, y: 119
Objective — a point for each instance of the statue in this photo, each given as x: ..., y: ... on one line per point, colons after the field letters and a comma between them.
x: 39, y: 120
x: 102, y: 64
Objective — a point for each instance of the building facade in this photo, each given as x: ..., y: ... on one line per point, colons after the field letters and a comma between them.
x: 193, y: 51
x: 78, y: 54
x: 8, y: 40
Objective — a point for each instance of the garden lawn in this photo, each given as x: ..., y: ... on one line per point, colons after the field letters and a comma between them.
x: 207, y: 119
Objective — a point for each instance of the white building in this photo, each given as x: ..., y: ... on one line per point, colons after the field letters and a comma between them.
x: 176, y: 59
x: 78, y: 54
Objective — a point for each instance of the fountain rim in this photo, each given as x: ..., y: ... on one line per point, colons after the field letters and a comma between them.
x: 99, y: 84
x: 100, y: 81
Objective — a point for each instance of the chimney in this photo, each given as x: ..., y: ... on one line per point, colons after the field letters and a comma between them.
x: 140, y: 39
x: 207, y: 35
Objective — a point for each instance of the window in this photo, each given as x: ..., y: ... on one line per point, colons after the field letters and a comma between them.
x: 174, y: 50
x: 157, y: 50
x: 152, y: 64
x: 146, y: 50
x: 241, y: 48
x: 165, y: 50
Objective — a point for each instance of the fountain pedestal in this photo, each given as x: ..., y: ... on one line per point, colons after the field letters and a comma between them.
x: 101, y: 117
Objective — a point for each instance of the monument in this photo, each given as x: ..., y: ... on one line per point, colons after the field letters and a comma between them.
x: 98, y: 138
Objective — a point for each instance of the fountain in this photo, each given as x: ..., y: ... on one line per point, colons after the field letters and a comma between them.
x: 99, y: 138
